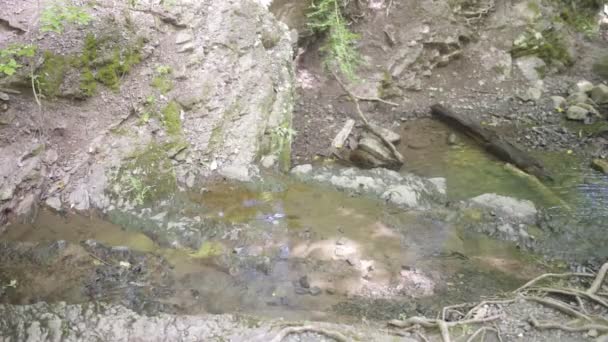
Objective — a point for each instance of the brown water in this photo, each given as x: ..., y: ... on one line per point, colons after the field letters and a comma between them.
x: 358, y: 252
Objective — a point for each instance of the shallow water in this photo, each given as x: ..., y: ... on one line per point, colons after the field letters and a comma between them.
x: 359, y: 253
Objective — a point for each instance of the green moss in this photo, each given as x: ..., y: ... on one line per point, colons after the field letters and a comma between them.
x: 547, y: 45
x: 208, y: 249
x: 171, y: 118
x: 163, y: 83
x: 88, y: 84
x: 579, y: 14
x: 153, y: 170
x: 52, y: 73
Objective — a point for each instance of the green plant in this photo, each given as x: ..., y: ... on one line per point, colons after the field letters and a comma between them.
x: 547, y: 45
x: 171, y: 118
x: 58, y: 14
x: 280, y: 137
x: 162, y: 80
x: 325, y: 16
x: 8, y: 57
x: 138, y: 190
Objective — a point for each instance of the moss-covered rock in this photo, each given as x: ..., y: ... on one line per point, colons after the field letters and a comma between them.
x: 51, y: 73
x: 148, y: 175
x: 171, y: 118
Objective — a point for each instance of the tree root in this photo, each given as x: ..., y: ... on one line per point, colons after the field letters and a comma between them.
x: 310, y: 329
x: 552, y: 275
x: 440, y: 324
x: 599, y: 279
x: 564, y: 308
x: 553, y: 325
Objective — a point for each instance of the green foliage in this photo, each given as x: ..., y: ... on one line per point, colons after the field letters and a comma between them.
x: 280, y: 137
x: 162, y: 80
x: 547, y: 45
x: 580, y: 14
x: 51, y: 74
x: 58, y: 14
x: 138, y: 190
x: 325, y: 16
x: 8, y: 57
x: 171, y: 118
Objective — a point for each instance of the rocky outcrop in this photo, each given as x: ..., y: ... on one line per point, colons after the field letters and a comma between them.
x: 87, y: 322
x: 402, y: 190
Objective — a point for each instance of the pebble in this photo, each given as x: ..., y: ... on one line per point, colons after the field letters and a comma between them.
x: 315, y: 291
x: 303, y: 281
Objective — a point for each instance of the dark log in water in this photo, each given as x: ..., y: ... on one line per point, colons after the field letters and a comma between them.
x: 494, y: 144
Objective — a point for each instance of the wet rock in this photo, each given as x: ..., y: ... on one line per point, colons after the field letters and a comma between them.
x: 376, y: 154
x: 268, y: 161
x: 577, y: 113
x: 79, y: 198
x: 53, y: 203
x: 404, y: 190
x: 387, y: 134
x: 600, y: 165
x: 599, y: 94
x: 559, y: 102
x: 236, y: 172
x: 302, y: 169
x: 507, y: 207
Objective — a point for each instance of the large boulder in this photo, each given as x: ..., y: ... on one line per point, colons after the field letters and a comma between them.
x: 508, y: 208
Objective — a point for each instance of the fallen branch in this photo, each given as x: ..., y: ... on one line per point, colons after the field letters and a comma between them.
x: 553, y: 325
x: 310, y: 329
x: 552, y: 275
x: 369, y: 127
x: 599, y: 279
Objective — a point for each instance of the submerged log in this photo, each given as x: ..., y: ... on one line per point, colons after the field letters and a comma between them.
x: 494, y: 144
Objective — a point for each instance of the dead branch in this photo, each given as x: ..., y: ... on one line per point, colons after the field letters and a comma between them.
x: 311, y: 329
x: 554, y: 325
x: 599, y: 279
x: 369, y: 127
x: 552, y: 275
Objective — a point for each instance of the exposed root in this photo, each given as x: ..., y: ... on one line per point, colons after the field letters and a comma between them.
x: 440, y: 324
x: 599, y: 279
x: 552, y: 275
x: 471, y: 312
x: 310, y: 329
x: 574, y: 293
x: 558, y: 306
x: 565, y: 327
x: 482, y: 331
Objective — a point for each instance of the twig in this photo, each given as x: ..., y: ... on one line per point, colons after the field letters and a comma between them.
x: 599, y: 279
x: 369, y: 127
x: 309, y: 328
x: 553, y: 325
x: 552, y: 275
x: 99, y: 259
x: 483, y: 330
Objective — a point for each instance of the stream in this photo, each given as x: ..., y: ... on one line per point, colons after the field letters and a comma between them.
x: 282, y: 248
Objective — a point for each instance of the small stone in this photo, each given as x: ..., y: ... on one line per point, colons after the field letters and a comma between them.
x: 188, y: 47
x: 6, y: 192
x: 269, y: 161
x: 53, y: 203
x: 559, y: 102
x: 452, y: 139
x: 577, y: 113
x: 4, y: 97
x: 315, y: 291
x: 302, y: 169
x: 303, y: 281
x: 600, y: 165
x: 592, y: 333
x: 599, y: 94
x: 582, y: 86
x: 388, y: 134
x: 575, y: 98
x: 301, y: 291
x: 183, y: 37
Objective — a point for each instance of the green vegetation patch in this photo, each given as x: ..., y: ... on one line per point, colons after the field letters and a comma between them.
x: 325, y: 16
x: 547, y: 45
x: 10, y: 55
x: 57, y: 14
x: 171, y: 118
x: 147, y: 175
x: 51, y: 74
x: 162, y: 79
x: 579, y: 14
